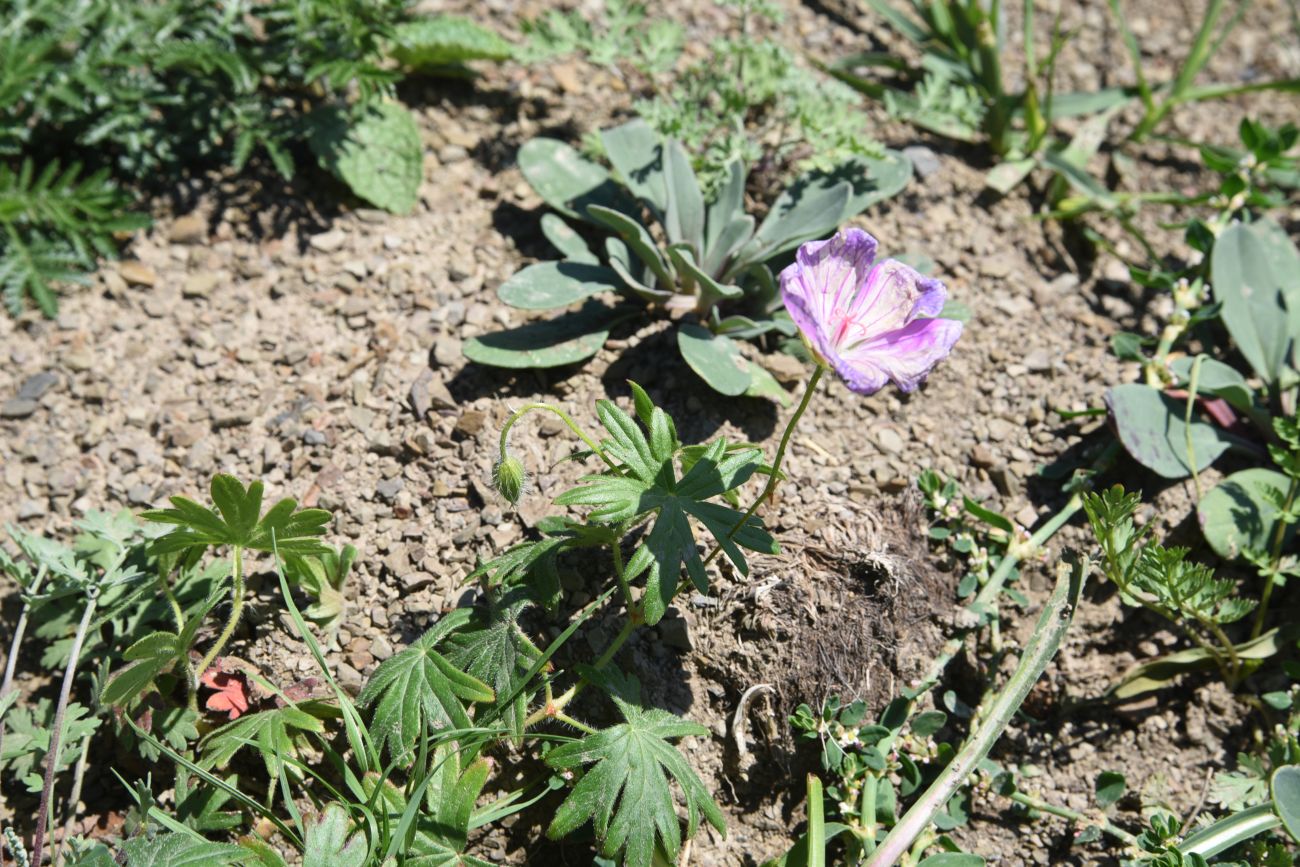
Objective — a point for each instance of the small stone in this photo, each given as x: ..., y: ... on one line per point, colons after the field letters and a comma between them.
x: 997, y: 266
x: 786, y: 368
x: 1038, y: 361
x: 566, y: 75
x: 200, y: 284
x: 924, y: 160
x: 231, y: 419
x: 29, y: 509
x: 140, y: 495
x: 388, y: 489
x: 313, y: 437
x: 981, y: 456
x: 348, y: 677
x: 205, y: 357
x: 19, y: 407
x: 421, y: 402
x: 380, y: 649
x: 189, y: 229
x: 328, y: 242
x: 35, y: 386
x: 471, y: 422
x: 889, y: 440
x: 447, y: 351
x: 137, y: 273
x: 674, y: 633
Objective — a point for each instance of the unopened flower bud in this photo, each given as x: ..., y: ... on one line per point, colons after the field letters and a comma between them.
x: 509, y: 478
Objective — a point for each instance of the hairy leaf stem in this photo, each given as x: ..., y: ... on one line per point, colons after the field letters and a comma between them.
x: 1098, y: 819
x: 775, y: 475
x: 564, y: 417
x: 236, y: 611
x: 56, y: 729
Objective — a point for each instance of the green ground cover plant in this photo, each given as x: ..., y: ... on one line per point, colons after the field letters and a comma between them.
x: 103, y: 103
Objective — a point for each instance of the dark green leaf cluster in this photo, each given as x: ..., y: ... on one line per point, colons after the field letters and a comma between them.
x: 668, y: 249
x: 147, y: 92
x: 238, y: 522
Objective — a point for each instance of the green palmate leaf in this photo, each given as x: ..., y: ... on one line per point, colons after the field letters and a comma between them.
x: 648, y: 484
x: 566, y: 339
x: 177, y: 849
x: 1151, y: 427
x: 568, y: 181
x: 275, y: 734
x: 419, y: 689
x: 284, y: 527
x: 330, y: 845
x: 446, y: 40
x: 495, y: 650
x: 715, y: 358
x: 439, y: 824
x: 1239, y: 515
x: 547, y: 285
x: 563, y: 238
x: 627, y: 792
x: 377, y: 153
x: 1255, y: 273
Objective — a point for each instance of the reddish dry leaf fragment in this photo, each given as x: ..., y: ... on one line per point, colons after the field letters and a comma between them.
x: 232, y: 692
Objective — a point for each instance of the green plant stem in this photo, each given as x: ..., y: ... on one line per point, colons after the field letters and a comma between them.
x: 774, y: 478
x: 1099, y: 820
x: 236, y: 611
x: 564, y: 417
x: 78, y: 777
x: 191, y: 679
x: 555, y: 707
x: 11, y: 663
x: 56, y: 729
x: 1041, y: 647
x: 1275, y: 557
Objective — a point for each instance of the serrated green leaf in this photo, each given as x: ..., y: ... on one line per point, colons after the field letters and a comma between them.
x: 329, y: 843
x: 275, y: 734
x: 150, y: 657
x: 176, y: 849
x: 284, y: 527
x: 418, y: 689
x: 378, y: 154
x: 627, y: 792
x: 443, y: 40
x: 495, y: 650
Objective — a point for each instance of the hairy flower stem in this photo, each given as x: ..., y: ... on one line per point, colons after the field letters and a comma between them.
x: 191, y: 679
x: 1039, y: 650
x: 1102, y: 823
x: 1275, y: 557
x: 56, y: 730
x: 236, y: 611
x: 564, y: 417
x: 78, y: 777
x: 11, y: 663
x: 774, y: 477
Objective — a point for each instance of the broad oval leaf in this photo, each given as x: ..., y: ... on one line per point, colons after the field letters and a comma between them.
x: 547, y: 285
x: 715, y: 358
x: 568, y: 181
x: 378, y: 154
x: 1237, y: 516
x: 1255, y: 273
x: 635, y: 151
x: 566, y: 339
x: 1150, y: 425
x: 1286, y: 798
x: 567, y: 241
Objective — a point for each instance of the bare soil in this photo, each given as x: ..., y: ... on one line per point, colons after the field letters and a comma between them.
x: 273, y: 332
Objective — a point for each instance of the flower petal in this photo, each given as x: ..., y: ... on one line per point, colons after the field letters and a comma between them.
x: 826, y: 277
x: 904, y: 356
x: 893, y: 295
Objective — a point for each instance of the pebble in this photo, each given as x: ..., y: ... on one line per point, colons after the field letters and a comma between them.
x: 29, y: 509
x: 140, y: 495
x: 35, y: 386
x: 388, y: 489
x: 982, y: 457
x: 18, y: 407
x: 189, y: 229
x: 471, y: 422
x: 328, y: 242
x: 924, y: 161
x: 138, y: 274
x: 889, y: 440
x: 313, y: 437
x: 200, y: 284
x: 447, y: 351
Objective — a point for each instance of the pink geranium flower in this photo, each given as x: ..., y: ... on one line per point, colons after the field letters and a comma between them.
x: 871, y: 322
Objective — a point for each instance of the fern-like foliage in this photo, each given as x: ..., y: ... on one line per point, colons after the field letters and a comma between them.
x: 1153, y: 576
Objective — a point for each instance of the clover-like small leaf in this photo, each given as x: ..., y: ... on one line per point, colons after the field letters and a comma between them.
x: 627, y: 791
x: 418, y: 689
